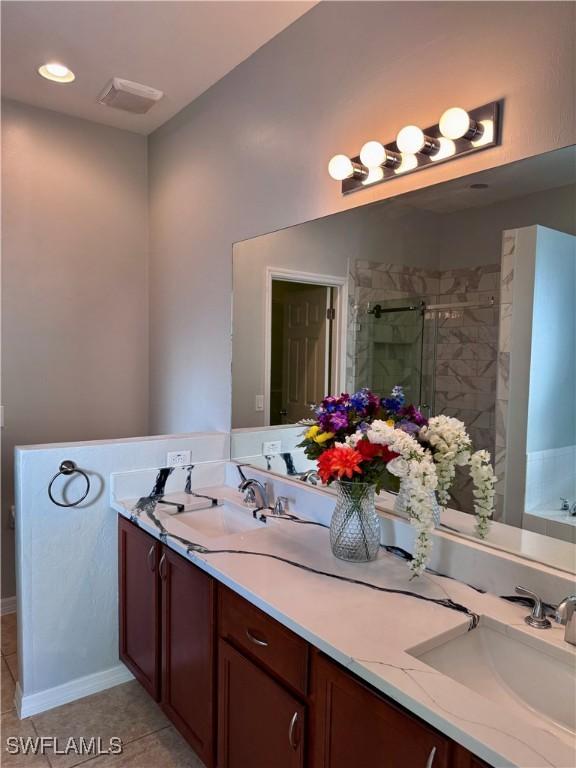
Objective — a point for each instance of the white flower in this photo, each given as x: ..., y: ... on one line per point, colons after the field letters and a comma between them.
x: 484, y: 482
x: 398, y: 466
x: 451, y: 447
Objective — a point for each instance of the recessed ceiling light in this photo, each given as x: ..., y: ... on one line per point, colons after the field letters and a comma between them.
x: 58, y: 73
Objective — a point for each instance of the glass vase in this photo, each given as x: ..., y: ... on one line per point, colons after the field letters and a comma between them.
x: 355, y: 525
x: 402, y: 498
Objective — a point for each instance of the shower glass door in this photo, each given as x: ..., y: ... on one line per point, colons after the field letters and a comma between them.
x: 389, y: 348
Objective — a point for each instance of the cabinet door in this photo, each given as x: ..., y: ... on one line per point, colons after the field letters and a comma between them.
x: 188, y: 665
x: 260, y: 724
x: 139, y: 604
x: 353, y: 726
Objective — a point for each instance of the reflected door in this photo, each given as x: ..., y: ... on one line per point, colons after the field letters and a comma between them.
x: 300, y: 350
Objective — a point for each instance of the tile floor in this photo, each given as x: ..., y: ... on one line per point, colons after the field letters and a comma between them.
x: 126, y: 711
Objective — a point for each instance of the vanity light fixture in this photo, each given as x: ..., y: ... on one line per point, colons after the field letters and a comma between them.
x: 458, y: 132
x: 58, y: 73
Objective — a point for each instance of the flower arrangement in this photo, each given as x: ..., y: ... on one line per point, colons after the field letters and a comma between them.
x: 363, y: 438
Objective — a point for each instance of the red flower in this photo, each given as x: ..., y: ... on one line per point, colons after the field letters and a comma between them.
x: 338, y: 462
x: 370, y: 451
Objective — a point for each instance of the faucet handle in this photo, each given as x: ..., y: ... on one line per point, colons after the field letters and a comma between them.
x: 565, y: 610
x: 564, y: 506
x: 280, y: 505
x: 536, y: 618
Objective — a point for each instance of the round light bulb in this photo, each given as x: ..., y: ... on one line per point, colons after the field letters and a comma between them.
x: 454, y: 123
x: 374, y: 175
x: 340, y: 167
x: 58, y: 73
x: 487, y: 133
x: 447, y: 149
x: 373, y: 154
x: 409, y: 162
x: 410, y: 139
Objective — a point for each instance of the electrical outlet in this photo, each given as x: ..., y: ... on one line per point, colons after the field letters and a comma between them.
x: 272, y: 447
x: 178, y: 458
x: 259, y: 403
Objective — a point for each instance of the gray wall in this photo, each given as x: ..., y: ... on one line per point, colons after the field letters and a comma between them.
x: 74, y: 287
x: 475, y: 235
x: 250, y: 155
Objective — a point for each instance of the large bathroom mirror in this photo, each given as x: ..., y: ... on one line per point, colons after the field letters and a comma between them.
x: 463, y: 293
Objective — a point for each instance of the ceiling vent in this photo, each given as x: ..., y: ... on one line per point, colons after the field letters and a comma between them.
x: 130, y: 97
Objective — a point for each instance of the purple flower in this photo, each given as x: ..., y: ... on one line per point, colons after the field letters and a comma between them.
x: 338, y: 421
x: 411, y: 413
x: 408, y: 426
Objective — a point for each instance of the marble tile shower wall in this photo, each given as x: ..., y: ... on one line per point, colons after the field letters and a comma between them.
x: 503, y: 363
x: 466, y: 358
x: 460, y: 346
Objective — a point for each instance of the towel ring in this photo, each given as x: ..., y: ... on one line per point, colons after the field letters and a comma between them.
x: 68, y: 467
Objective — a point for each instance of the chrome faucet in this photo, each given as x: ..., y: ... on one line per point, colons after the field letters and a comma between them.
x: 566, y: 615
x: 251, y: 489
x: 536, y: 618
x: 311, y: 476
x: 564, y: 506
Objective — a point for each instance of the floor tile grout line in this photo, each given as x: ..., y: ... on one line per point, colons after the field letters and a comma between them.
x: 9, y: 670
x: 33, y: 726
x: 124, y: 743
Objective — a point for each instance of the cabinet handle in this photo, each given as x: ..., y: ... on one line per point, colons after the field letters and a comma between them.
x: 256, y: 640
x: 292, y: 731
x: 152, y: 558
x: 162, y: 567
x: 431, y: 756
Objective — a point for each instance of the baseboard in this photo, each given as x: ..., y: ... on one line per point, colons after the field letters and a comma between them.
x: 8, y: 605
x: 34, y: 703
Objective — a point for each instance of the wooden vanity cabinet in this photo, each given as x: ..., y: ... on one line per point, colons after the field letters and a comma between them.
x: 188, y: 659
x: 353, y: 726
x: 139, y: 604
x: 167, y: 636
x: 260, y: 724
x: 280, y: 703
x: 262, y: 687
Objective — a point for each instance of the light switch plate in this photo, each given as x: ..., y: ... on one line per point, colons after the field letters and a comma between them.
x: 259, y: 403
x: 272, y: 447
x: 178, y: 458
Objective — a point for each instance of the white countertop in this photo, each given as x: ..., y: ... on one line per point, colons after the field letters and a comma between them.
x: 371, y: 632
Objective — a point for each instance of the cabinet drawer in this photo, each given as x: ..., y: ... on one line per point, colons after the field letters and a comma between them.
x: 264, y: 639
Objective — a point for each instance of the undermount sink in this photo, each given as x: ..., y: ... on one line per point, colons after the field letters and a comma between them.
x: 225, y: 519
x: 532, y: 682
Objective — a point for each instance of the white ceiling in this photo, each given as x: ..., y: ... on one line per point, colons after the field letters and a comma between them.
x: 182, y: 48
